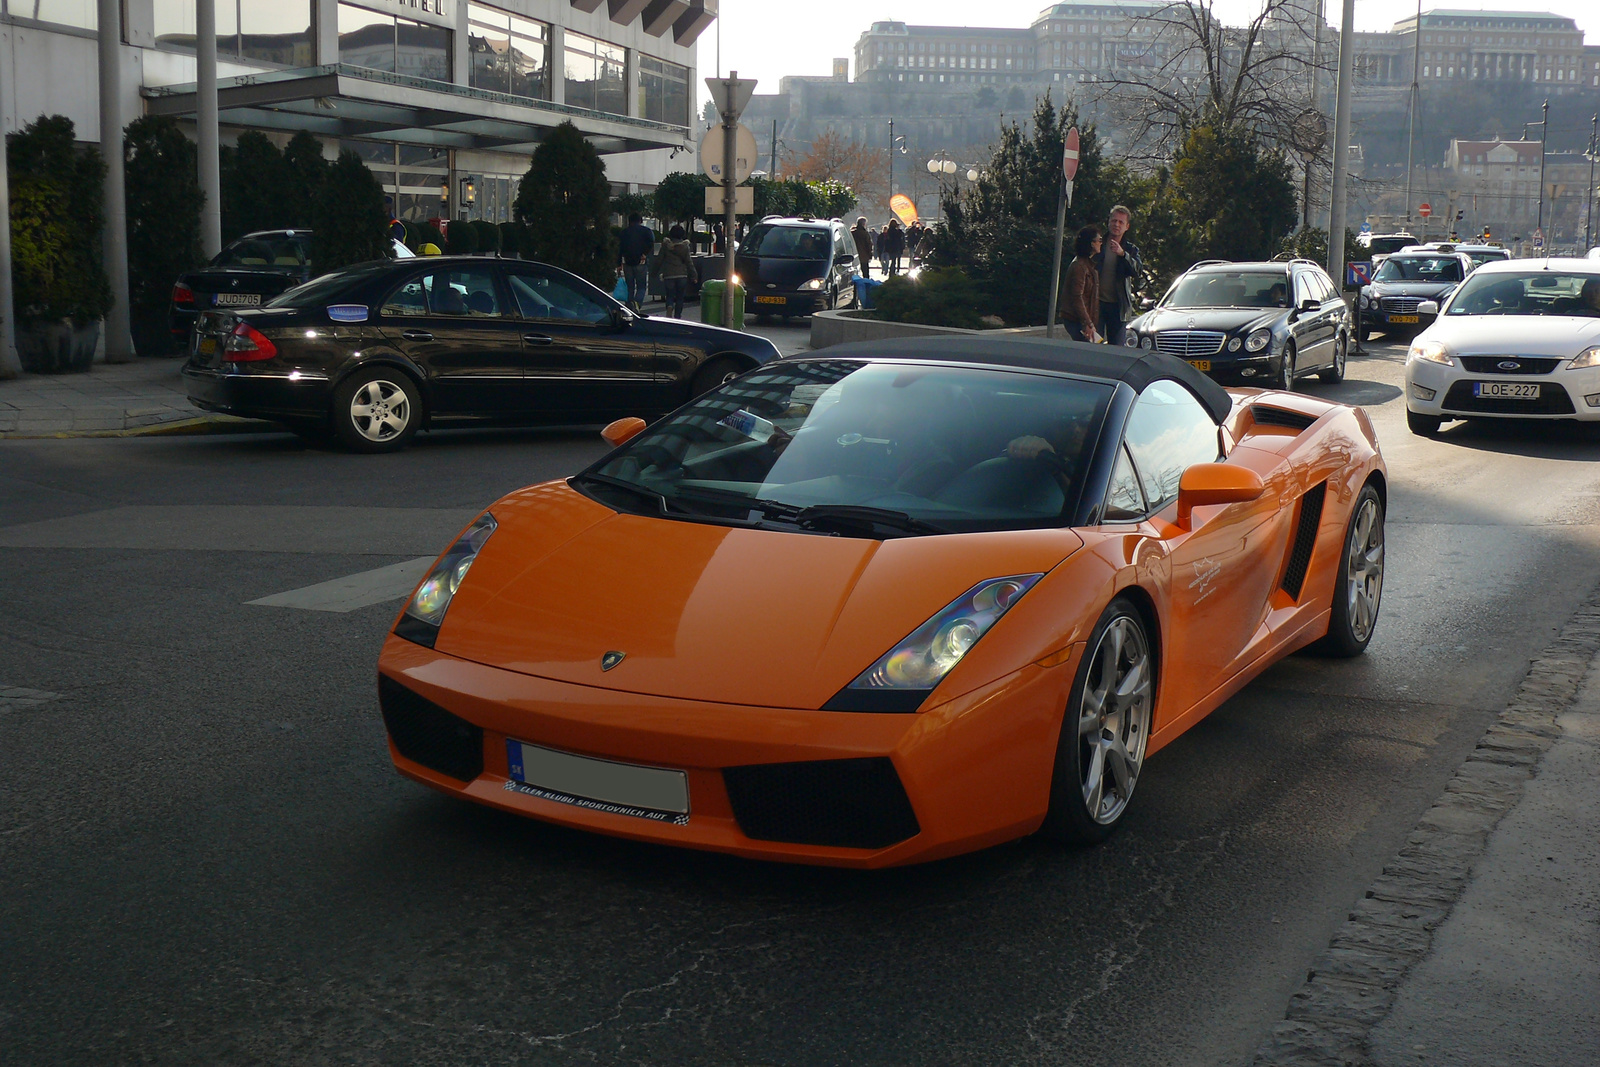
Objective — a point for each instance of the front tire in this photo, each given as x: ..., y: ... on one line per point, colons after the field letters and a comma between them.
x: 1358, y: 593
x: 376, y: 410
x: 1286, y: 373
x: 714, y: 374
x: 1341, y: 354
x: 1104, y: 731
x: 1423, y: 425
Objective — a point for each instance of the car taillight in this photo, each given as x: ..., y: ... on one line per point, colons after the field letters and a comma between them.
x: 182, y: 294
x: 246, y: 344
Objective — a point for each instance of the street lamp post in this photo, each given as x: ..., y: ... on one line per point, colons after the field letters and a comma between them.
x: 1544, y: 130
x: 939, y: 168
x: 1588, y: 203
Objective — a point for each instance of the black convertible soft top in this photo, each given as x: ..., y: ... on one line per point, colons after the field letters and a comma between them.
x: 1137, y: 367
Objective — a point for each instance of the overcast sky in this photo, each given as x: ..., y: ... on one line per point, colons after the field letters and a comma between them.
x: 768, y: 40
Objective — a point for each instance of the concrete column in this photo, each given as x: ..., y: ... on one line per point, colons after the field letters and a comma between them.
x: 1341, y: 146
x: 119, y: 341
x: 10, y: 366
x: 326, y: 27
x: 205, y: 52
x: 558, y: 65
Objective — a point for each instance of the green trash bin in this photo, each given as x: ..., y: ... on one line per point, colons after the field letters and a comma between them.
x: 711, y: 304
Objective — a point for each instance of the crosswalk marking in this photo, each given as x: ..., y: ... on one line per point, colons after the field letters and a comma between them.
x: 353, y: 590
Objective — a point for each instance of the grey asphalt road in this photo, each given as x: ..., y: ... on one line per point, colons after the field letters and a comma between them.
x: 206, y: 858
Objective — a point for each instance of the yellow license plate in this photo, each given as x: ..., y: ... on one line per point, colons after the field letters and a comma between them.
x: 1404, y: 318
x: 208, y: 345
x: 1200, y: 364
x: 771, y: 300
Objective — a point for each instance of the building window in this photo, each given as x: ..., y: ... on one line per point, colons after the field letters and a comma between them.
x: 664, y: 91
x: 596, y: 74
x: 274, y: 34
x: 508, y: 54
x: 398, y: 46
x: 80, y: 13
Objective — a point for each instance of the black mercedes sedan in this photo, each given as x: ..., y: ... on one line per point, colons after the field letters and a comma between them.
x: 797, y: 266
x: 373, y: 353
x: 1392, y: 302
x: 1253, y: 323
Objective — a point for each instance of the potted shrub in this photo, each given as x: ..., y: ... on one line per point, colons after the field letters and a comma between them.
x: 58, y: 283
x: 164, y: 201
x: 349, y: 223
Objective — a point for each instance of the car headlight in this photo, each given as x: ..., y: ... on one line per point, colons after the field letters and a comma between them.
x: 1366, y: 301
x: 1258, y: 340
x: 921, y: 661
x: 1130, y: 339
x: 811, y: 283
x: 1234, y: 343
x: 1433, y: 352
x: 425, y: 610
x: 1589, y: 357
x: 1147, y: 341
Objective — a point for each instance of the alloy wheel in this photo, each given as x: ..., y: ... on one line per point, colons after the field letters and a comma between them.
x: 1364, y: 568
x: 1114, y: 719
x: 380, y: 410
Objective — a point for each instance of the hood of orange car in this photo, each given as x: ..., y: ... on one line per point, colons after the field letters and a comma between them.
x: 705, y: 612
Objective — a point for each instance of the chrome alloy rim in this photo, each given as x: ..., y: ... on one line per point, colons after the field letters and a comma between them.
x: 380, y: 410
x: 1365, y: 567
x: 1114, y: 720
x: 1341, y: 353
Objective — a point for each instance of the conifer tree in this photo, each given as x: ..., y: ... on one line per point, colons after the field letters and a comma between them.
x: 565, y: 206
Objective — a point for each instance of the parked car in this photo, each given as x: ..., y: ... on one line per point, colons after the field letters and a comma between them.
x: 1517, y: 340
x: 888, y: 602
x: 247, y: 273
x: 797, y: 266
x: 1392, y: 302
x: 375, y: 352
x: 1258, y: 323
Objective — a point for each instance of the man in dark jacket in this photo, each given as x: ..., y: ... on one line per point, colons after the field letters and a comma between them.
x: 1119, y: 268
x: 634, y: 255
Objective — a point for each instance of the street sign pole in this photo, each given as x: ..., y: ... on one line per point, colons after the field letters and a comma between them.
x: 730, y: 95
x: 1069, y: 171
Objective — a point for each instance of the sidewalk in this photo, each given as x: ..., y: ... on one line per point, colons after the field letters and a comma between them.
x: 1480, y: 942
x: 112, y: 399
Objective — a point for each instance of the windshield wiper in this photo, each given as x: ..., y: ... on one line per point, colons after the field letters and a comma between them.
x: 626, y: 486
x: 858, y: 516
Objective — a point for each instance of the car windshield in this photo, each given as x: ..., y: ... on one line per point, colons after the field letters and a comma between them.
x: 1488, y: 255
x: 789, y: 242
x: 867, y: 449
x: 1537, y: 292
x: 1223, y: 289
x: 1419, y: 269
x: 1383, y: 246
x: 266, y: 250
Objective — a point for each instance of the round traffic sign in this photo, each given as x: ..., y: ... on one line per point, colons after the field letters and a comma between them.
x: 745, y: 154
x: 1069, y: 156
x: 1425, y: 210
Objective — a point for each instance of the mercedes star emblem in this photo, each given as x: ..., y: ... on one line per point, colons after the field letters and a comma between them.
x: 611, y: 659
x: 1191, y: 323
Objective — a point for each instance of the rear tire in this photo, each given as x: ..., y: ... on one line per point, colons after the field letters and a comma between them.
x: 1104, y: 731
x: 376, y: 410
x: 1358, y: 590
x: 1341, y: 353
x: 1423, y: 425
x: 714, y: 374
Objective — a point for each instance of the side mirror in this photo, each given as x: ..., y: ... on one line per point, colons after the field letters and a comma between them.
x: 1310, y: 303
x: 1215, y: 483
x: 622, y: 431
x: 1428, y: 307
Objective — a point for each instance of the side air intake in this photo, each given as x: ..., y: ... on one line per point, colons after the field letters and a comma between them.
x: 1305, y: 539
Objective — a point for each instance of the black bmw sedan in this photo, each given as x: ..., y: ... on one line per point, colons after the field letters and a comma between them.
x: 1260, y: 324
x: 373, y: 353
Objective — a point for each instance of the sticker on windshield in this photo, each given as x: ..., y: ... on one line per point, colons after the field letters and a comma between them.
x: 347, y: 312
x: 752, y: 426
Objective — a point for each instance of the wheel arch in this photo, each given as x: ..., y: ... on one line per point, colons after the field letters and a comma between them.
x: 397, y: 362
x: 1145, y: 604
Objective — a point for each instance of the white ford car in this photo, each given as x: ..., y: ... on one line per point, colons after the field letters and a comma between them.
x: 1518, y: 339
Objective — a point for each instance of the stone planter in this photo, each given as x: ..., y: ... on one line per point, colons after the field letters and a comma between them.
x: 61, y: 347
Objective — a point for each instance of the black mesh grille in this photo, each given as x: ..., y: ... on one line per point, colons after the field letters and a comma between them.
x: 1305, y: 539
x: 1266, y: 416
x: 1513, y: 364
x: 1553, y: 400
x: 850, y: 803
x: 427, y: 734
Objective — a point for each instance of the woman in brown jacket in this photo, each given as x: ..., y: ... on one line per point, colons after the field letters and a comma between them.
x: 1080, y: 290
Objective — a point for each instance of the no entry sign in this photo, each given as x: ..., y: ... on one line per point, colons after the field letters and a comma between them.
x: 1425, y: 210
x: 1069, y: 157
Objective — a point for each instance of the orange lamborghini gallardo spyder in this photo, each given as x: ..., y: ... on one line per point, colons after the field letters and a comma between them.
x: 887, y: 602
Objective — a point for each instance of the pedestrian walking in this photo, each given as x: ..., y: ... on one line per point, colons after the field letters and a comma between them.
x: 1079, y: 298
x: 1119, y: 270
x: 861, y: 234
x: 719, y: 243
x: 914, y: 242
x: 633, y: 255
x: 677, y: 268
x: 877, y: 247
x: 894, y: 239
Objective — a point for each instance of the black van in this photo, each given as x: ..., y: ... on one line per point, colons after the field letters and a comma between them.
x: 797, y: 266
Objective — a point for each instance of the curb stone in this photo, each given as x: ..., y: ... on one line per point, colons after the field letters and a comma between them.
x: 1351, y: 987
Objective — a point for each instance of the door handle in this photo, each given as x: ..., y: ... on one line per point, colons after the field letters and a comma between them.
x: 538, y: 339
x: 416, y: 335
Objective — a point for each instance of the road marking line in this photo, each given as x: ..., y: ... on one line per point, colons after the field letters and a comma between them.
x: 353, y: 590
x: 15, y: 697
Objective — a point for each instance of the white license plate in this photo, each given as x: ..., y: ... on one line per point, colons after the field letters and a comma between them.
x: 238, y: 300
x: 601, y: 785
x: 1505, y: 390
